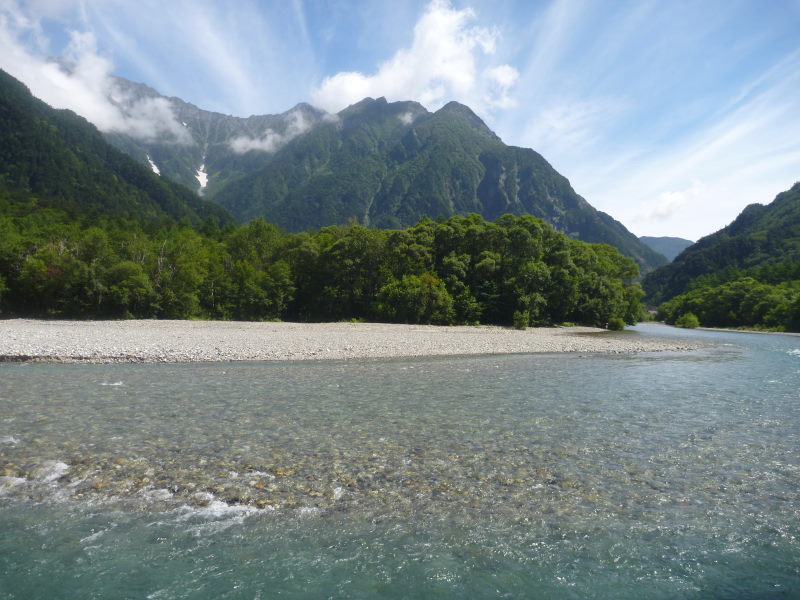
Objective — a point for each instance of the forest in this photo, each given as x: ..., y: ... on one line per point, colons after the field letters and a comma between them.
x: 463, y: 270
x: 760, y: 298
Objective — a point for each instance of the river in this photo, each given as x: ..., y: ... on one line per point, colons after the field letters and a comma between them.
x: 658, y: 475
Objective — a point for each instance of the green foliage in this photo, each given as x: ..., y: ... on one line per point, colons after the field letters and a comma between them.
x: 416, y: 299
x: 374, y: 166
x: 687, y: 321
x: 744, y: 302
x: 616, y: 324
x: 463, y: 270
x: 763, y: 243
x: 521, y: 319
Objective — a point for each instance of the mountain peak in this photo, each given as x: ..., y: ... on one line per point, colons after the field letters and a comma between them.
x: 405, y: 110
x: 464, y: 112
x: 386, y: 163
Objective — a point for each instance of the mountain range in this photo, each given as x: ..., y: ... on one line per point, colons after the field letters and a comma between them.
x: 381, y: 164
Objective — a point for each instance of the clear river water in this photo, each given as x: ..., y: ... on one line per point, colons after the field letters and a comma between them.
x: 657, y: 475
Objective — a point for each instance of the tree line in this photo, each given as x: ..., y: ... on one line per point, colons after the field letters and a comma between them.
x: 463, y: 270
x: 766, y: 297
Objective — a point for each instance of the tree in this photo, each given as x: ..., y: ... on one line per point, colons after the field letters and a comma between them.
x: 416, y: 299
x: 687, y: 321
x: 130, y: 292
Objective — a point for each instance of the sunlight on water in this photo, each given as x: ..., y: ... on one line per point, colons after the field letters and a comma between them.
x: 671, y: 475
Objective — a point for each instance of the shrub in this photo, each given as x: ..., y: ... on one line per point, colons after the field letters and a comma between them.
x: 687, y: 321
x: 416, y: 299
x: 521, y: 319
x: 616, y: 324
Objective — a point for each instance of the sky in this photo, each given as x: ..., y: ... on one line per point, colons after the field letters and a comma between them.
x: 670, y: 115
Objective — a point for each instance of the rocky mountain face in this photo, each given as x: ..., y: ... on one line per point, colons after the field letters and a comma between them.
x: 383, y: 164
x: 210, y: 148
x: 668, y: 246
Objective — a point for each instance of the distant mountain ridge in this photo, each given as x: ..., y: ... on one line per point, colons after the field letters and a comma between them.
x: 208, y: 155
x: 760, y: 237
x: 389, y: 164
x: 668, y: 246
x: 62, y: 161
x: 382, y: 164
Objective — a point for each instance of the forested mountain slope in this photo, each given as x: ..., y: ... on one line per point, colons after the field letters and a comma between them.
x: 383, y: 164
x: 390, y: 164
x: 62, y: 161
x: 210, y: 148
x: 761, y: 237
x: 745, y: 275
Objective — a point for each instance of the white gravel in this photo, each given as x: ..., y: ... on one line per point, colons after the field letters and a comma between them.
x: 202, y: 341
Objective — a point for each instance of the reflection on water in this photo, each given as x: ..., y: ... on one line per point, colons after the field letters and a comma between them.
x: 674, y: 474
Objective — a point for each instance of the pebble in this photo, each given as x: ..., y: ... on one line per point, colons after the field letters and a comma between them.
x: 150, y: 341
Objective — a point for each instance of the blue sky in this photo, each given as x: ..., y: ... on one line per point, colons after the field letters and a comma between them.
x: 671, y: 116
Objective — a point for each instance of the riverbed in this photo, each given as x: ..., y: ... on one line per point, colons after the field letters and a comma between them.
x: 670, y: 474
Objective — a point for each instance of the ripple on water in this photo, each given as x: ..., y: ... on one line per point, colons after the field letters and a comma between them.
x: 565, y: 471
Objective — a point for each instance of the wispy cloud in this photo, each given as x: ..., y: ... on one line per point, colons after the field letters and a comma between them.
x: 82, y: 82
x: 296, y: 124
x: 669, y: 116
x: 745, y: 152
x: 569, y: 124
x: 668, y: 204
x: 443, y: 63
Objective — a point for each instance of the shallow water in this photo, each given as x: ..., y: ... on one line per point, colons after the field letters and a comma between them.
x: 663, y: 475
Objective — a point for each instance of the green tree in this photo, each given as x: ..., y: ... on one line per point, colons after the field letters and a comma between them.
x: 687, y: 321
x: 130, y: 292
x: 416, y: 299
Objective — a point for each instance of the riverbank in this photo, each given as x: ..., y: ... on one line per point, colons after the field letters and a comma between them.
x: 149, y: 341
x: 727, y: 330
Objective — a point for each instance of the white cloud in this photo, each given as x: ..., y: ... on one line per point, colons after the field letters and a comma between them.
x: 297, y: 124
x: 406, y: 118
x: 669, y: 203
x: 443, y: 63
x: 82, y: 82
x: 501, y: 79
x: 746, y: 152
x: 221, y: 56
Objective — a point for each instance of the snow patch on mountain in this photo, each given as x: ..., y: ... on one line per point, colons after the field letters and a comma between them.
x: 153, y: 165
x: 202, y: 176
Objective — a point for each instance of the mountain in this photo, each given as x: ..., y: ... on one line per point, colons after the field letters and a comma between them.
x: 763, y: 241
x: 668, y: 246
x: 384, y: 164
x: 64, y: 161
x: 389, y: 164
x: 209, y: 149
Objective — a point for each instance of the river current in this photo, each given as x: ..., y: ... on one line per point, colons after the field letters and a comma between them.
x: 654, y: 475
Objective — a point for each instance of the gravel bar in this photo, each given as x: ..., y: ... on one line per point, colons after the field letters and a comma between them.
x: 151, y: 341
